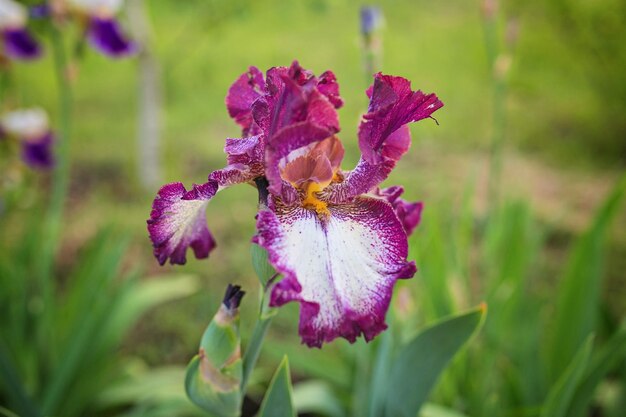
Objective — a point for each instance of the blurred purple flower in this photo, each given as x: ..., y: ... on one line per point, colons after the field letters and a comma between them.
x: 371, y: 19
x: 339, y: 241
x: 30, y: 127
x: 103, y: 31
x: 16, y: 40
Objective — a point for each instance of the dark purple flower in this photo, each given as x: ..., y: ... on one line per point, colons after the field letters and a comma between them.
x: 17, y: 42
x: 38, y: 153
x: 106, y: 36
x: 339, y: 241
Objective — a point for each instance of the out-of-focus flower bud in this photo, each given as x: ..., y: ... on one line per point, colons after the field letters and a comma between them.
x: 214, y: 374
x: 502, y: 66
x: 371, y: 19
x: 489, y: 9
x: 512, y: 32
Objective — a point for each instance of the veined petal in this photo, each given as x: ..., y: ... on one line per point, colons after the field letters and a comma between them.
x: 247, y: 151
x: 392, y: 105
x: 341, y: 269
x: 242, y: 94
x: 327, y: 84
x: 19, y: 44
x: 178, y: 221
x: 362, y: 179
x: 106, y: 36
x: 294, y: 113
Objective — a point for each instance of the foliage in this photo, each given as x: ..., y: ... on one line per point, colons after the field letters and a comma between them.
x: 57, y: 358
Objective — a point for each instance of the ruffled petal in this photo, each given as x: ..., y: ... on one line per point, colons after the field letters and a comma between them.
x: 392, y: 105
x: 178, y: 221
x: 384, y: 135
x: 38, y: 152
x: 106, y: 36
x: 409, y: 214
x: 327, y: 84
x: 341, y: 269
x: 294, y: 113
x: 242, y: 94
x: 19, y: 44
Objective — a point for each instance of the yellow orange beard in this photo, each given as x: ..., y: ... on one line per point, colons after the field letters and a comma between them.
x: 311, y: 201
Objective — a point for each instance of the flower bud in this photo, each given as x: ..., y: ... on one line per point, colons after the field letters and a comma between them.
x: 214, y: 374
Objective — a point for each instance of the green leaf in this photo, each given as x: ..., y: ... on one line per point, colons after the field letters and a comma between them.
x: 420, y: 362
x: 317, y: 397
x: 264, y: 271
x: 434, y: 410
x: 611, y: 354
x: 579, y: 292
x: 278, y: 401
x: 562, y: 393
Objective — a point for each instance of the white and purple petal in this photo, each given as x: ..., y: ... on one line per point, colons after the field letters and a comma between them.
x: 340, y: 268
x: 392, y: 105
x: 106, y: 36
x: 19, y: 44
x: 178, y: 221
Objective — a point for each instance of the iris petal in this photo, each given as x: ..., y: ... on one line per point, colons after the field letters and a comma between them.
x: 106, y: 36
x: 178, y: 221
x: 19, y: 44
x: 341, y: 268
x: 38, y: 152
x: 392, y: 105
x: 242, y: 94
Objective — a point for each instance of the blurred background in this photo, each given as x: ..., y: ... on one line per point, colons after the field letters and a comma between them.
x: 515, y: 178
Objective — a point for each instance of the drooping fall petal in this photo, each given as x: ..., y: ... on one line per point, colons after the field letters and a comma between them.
x: 106, y: 36
x: 178, y: 221
x: 341, y: 269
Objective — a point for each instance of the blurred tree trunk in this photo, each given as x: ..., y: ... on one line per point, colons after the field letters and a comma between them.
x: 149, y: 120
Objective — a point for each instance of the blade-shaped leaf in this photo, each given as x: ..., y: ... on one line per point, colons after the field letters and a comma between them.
x: 278, y: 401
x: 317, y: 397
x: 611, y: 354
x: 420, y: 362
x: 562, y: 393
x: 579, y: 292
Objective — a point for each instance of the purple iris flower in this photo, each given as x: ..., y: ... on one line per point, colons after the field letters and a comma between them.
x: 106, y: 36
x: 371, y: 19
x: 104, y: 32
x: 16, y: 40
x: 339, y: 241
x: 30, y: 127
x: 38, y: 154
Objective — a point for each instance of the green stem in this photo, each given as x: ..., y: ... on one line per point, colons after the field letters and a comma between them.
x: 498, y: 112
x: 256, y: 341
x: 52, y: 223
x: 60, y: 178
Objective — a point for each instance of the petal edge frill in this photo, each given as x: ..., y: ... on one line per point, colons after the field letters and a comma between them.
x: 392, y: 105
x: 178, y: 221
x: 341, y: 269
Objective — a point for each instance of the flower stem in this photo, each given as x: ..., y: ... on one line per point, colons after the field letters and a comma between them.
x: 256, y: 340
x: 60, y: 179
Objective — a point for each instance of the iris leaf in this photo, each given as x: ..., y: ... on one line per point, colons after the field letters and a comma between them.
x: 421, y: 361
x: 278, y: 401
